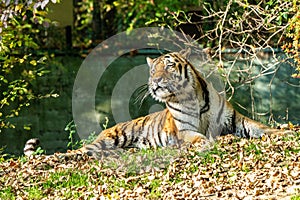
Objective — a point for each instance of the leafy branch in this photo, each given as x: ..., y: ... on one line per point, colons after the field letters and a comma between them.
x: 20, y: 64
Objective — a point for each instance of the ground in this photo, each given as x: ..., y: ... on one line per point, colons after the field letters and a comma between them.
x: 232, y: 168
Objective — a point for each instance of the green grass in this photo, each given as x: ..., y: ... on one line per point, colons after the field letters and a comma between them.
x: 253, y: 148
x: 34, y: 193
x: 7, y: 193
x: 297, y: 197
x: 74, y: 179
x: 67, y: 179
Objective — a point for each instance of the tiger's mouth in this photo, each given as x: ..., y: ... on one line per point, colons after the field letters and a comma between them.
x: 157, y: 89
x: 161, y: 93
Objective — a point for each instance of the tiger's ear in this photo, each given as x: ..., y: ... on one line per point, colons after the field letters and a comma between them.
x: 185, y: 53
x: 149, y: 61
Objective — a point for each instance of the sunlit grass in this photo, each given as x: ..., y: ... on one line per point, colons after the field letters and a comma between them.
x: 146, y: 172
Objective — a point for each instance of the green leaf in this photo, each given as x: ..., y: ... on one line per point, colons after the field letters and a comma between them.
x: 33, y: 62
x: 27, y: 127
x: 19, y: 43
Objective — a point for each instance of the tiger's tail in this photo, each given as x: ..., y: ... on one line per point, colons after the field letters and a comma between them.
x: 31, y: 146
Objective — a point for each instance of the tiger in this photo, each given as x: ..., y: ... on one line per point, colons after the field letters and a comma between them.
x: 195, y: 111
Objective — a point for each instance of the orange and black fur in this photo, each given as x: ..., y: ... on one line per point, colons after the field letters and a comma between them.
x: 194, y: 111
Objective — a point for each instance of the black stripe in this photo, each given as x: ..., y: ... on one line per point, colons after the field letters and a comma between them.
x: 186, y: 72
x: 185, y: 130
x: 184, y: 66
x: 205, y: 108
x: 147, y: 136
x: 183, y: 112
x: 151, y: 126
x: 91, y: 147
x: 221, y: 110
x: 132, y: 131
x: 176, y: 56
x: 116, y: 139
x: 179, y: 57
x: 162, y: 119
x: 185, y: 122
x: 97, y: 145
x: 31, y: 143
x: 180, y: 68
x: 123, y: 128
x: 141, y: 128
x: 159, y: 137
x: 233, y: 125
x: 132, y: 135
x: 29, y: 149
x: 203, y: 86
x: 136, y: 140
x: 158, y: 131
x: 246, y: 133
x: 155, y: 121
x: 100, y: 145
x: 125, y: 139
x: 160, y: 125
x: 89, y: 151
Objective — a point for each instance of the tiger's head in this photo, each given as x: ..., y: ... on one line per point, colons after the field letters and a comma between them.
x: 170, y: 77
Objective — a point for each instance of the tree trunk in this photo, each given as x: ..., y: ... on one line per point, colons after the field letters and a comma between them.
x: 96, y: 24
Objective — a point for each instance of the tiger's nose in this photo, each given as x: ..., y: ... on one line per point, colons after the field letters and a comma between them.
x: 157, y: 80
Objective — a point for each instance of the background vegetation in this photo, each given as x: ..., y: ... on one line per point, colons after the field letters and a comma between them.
x: 231, y: 31
x: 22, y: 56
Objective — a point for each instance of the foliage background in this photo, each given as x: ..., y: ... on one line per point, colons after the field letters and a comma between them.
x: 237, y: 34
x: 22, y: 59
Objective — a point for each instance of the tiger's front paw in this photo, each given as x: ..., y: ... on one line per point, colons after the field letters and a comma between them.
x: 192, y: 137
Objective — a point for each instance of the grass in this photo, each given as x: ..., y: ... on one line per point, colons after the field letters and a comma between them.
x: 7, y: 193
x: 65, y: 181
x: 153, y: 174
x: 296, y: 197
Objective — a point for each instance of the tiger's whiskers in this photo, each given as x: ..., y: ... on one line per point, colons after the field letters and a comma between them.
x: 143, y: 93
